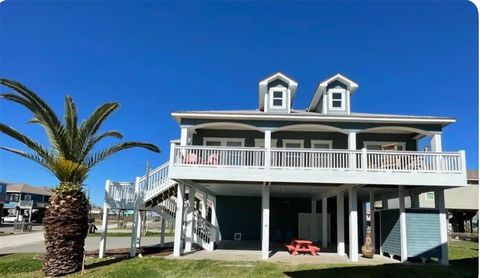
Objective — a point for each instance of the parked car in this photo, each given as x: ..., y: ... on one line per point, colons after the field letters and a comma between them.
x: 11, y: 218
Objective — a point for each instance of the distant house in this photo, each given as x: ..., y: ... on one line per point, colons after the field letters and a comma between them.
x: 3, y: 191
x: 23, y: 197
x: 461, y: 203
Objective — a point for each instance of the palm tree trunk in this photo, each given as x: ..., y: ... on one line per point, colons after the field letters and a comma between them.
x: 66, y: 226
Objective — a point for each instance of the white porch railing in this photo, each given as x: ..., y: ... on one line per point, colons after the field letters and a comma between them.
x: 122, y: 191
x: 203, y: 231
x: 356, y: 160
x: 156, y: 182
x: 219, y: 156
x: 310, y: 158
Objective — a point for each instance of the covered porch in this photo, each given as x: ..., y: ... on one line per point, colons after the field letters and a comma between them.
x: 259, y: 218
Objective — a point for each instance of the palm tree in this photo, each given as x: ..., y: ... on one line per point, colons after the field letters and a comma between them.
x: 70, y: 157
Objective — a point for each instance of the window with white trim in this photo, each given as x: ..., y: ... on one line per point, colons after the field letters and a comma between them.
x: 278, y: 98
x: 337, y: 99
x: 321, y: 144
x: 377, y: 146
x: 260, y: 143
x: 292, y: 144
x: 430, y: 196
x: 224, y: 142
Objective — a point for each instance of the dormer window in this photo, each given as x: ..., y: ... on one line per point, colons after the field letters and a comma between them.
x: 337, y: 99
x: 278, y: 98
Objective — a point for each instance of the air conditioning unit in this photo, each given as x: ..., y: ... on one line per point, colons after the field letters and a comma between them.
x: 237, y: 236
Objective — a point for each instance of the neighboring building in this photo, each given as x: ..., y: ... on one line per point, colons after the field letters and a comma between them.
x: 3, y: 194
x: 24, y: 197
x: 277, y: 173
x: 461, y: 203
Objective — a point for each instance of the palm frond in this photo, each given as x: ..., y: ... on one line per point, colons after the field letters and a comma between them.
x: 110, y: 133
x: 36, y: 158
x: 42, y: 111
x: 104, y: 154
x: 33, y: 145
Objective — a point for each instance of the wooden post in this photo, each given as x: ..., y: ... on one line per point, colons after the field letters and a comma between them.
x: 177, y: 243
x: 353, y: 224
x: 103, y: 239
x: 340, y: 224
x: 265, y: 221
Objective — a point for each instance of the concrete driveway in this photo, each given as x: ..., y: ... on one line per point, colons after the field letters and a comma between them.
x: 34, y: 243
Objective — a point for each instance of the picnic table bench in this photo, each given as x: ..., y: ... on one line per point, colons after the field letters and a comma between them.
x: 300, y: 245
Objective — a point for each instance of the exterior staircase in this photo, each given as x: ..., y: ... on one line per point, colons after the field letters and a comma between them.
x: 157, y: 192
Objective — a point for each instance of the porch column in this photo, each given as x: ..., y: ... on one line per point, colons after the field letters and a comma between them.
x: 177, y: 242
x: 268, y: 147
x: 103, y: 239
x: 353, y: 224
x: 364, y: 221
x: 218, y: 235
x: 204, y: 204
x: 352, y: 145
x: 314, y: 220
x: 265, y: 220
x: 184, y: 136
x: 340, y: 225
x: 436, y: 143
x: 324, y: 223
x: 440, y: 205
x: 190, y: 219
x: 136, y: 219
x: 403, y: 223
x: 140, y: 225
x: 162, y: 233
x: 372, y: 219
x: 414, y: 200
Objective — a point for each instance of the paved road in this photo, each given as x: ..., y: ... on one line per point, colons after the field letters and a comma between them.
x: 34, y: 243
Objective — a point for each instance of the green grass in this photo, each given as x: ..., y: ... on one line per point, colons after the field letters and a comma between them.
x: 118, y: 234
x: 5, y: 234
x: 463, y: 259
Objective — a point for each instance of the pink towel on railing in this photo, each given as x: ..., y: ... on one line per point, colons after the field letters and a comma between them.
x: 191, y: 158
x: 213, y: 159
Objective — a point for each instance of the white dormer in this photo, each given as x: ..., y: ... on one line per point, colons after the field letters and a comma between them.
x: 276, y: 92
x: 333, y: 95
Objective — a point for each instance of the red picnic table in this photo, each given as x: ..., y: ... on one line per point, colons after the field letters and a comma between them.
x: 301, y: 245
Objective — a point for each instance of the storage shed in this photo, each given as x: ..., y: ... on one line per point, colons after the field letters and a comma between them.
x: 423, y: 232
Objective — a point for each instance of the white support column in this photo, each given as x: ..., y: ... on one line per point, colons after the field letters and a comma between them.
x: 162, y: 233
x: 353, y: 224
x: 268, y: 147
x: 103, y: 239
x: 136, y: 219
x: 364, y: 221
x: 352, y: 145
x: 440, y: 205
x: 177, y: 242
x: 314, y: 221
x: 184, y: 136
x: 340, y: 224
x: 436, y: 142
x: 265, y: 221
x: 218, y: 235
x: 403, y: 224
x: 324, y: 223
x: 190, y: 211
x: 414, y: 200
x: 140, y: 225
x: 204, y: 204
x: 372, y: 219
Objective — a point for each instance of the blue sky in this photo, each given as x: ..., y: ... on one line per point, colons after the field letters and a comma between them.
x: 156, y: 57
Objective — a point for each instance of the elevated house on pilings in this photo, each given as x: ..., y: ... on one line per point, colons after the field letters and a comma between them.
x: 277, y: 173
